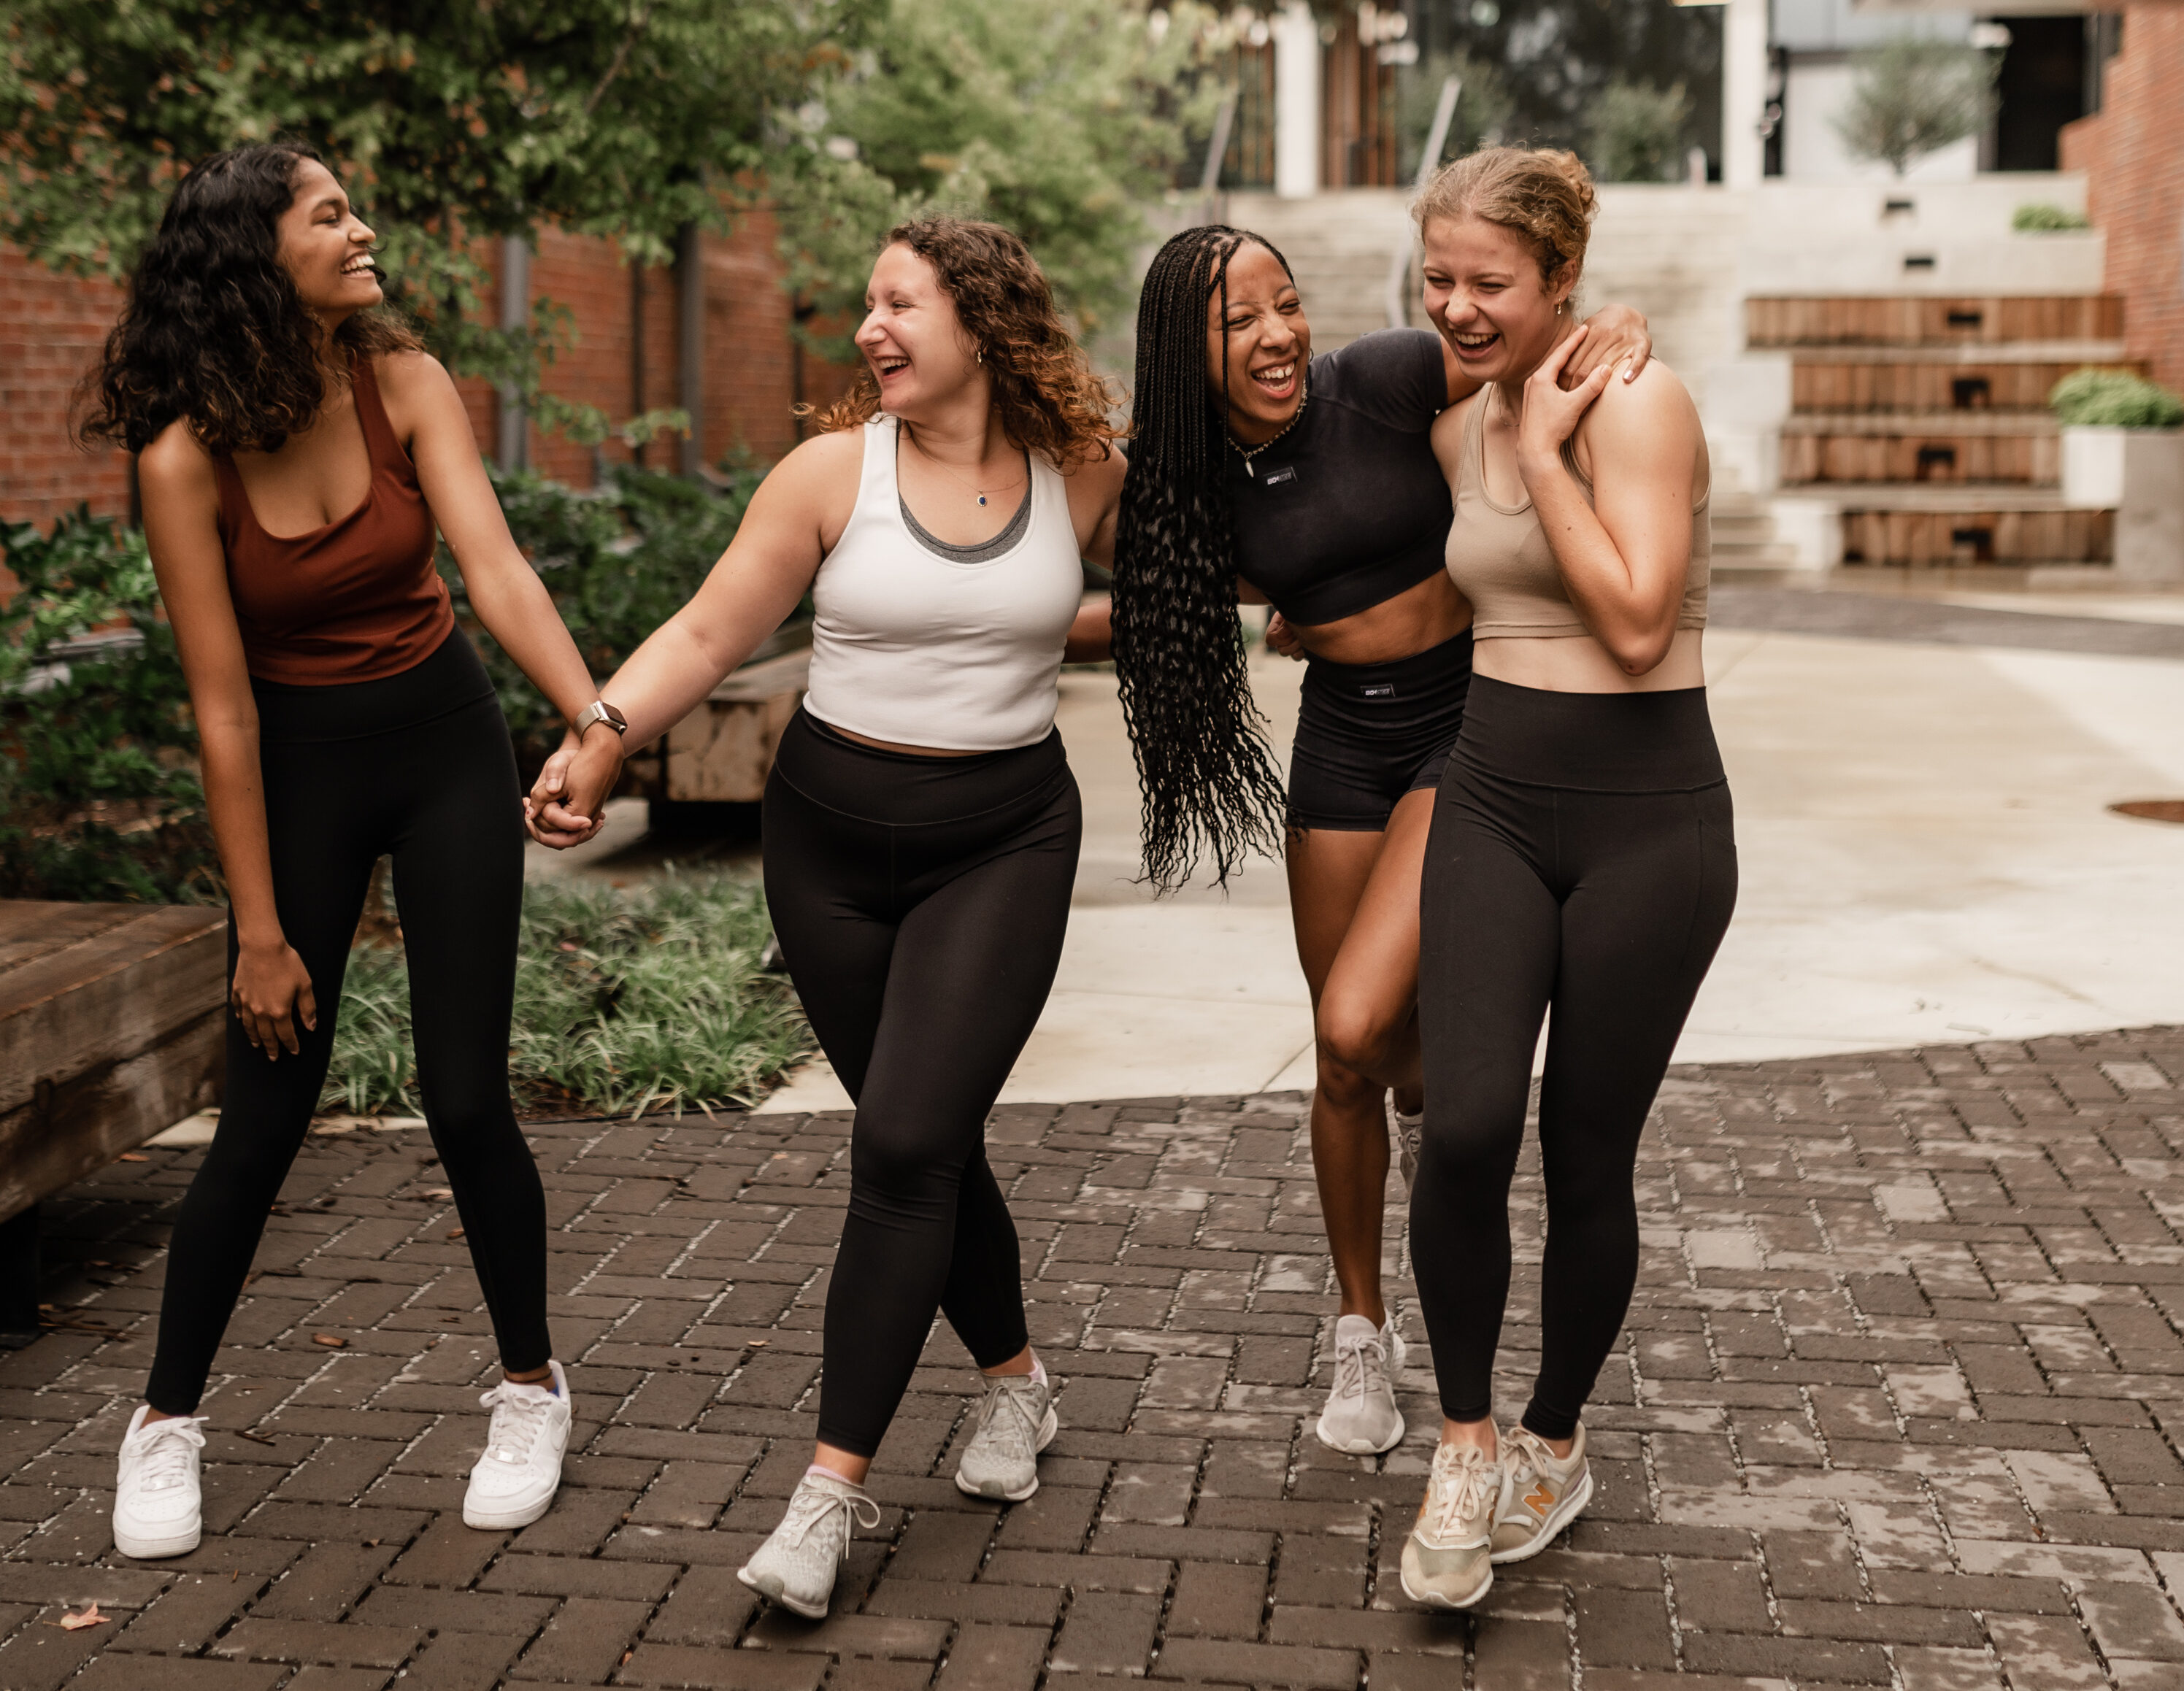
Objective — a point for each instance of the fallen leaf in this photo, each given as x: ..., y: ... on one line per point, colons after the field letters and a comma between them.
x: 454, y: 1232
x: 760, y: 1343
x: 91, y: 1616
x: 329, y: 1341
x: 438, y: 1192
x: 254, y: 1437
x: 125, y: 1157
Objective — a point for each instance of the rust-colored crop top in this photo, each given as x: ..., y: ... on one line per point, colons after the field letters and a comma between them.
x: 354, y: 601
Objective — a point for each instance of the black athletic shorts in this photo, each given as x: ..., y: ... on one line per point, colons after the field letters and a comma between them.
x: 1368, y: 733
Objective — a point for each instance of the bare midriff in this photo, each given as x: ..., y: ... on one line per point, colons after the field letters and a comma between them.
x: 1580, y: 664
x: 894, y: 746
x: 1417, y: 620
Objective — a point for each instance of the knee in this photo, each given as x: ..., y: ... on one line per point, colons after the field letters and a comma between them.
x: 901, y: 1162
x: 1355, y: 1035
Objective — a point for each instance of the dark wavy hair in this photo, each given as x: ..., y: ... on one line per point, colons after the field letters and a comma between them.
x: 1045, y: 389
x: 213, y: 331
x: 1209, y: 777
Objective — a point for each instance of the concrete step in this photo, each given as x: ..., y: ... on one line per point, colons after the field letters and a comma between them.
x: 1909, y: 321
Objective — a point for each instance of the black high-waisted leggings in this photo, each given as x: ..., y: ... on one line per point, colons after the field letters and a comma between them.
x: 416, y: 764
x: 920, y: 903
x: 1582, y: 856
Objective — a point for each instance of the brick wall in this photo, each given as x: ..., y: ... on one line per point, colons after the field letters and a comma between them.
x: 2133, y: 153
x: 51, y: 327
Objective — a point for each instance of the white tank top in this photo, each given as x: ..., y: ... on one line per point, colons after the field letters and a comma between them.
x: 957, y: 647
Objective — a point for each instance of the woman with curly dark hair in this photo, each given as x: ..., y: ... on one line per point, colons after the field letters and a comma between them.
x: 921, y: 824
x: 1309, y: 482
x: 296, y: 453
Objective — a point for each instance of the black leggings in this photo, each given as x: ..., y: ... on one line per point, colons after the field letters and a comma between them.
x: 920, y: 903
x: 417, y: 765
x: 1582, y: 856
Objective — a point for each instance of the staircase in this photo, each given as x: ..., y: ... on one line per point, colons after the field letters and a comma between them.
x: 1922, y: 420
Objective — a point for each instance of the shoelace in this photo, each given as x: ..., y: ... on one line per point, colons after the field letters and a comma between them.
x: 1459, y: 1484
x: 1018, y: 1426
x: 812, y: 1504
x: 1524, y: 1458
x: 165, y: 1456
x: 1350, y: 1365
x: 518, y: 1419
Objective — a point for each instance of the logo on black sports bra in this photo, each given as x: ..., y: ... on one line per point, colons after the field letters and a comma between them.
x: 1275, y: 478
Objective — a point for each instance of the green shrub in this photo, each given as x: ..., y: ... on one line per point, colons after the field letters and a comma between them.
x: 1637, y: 131
x: 2047, y: 219
x: 99, y: 789
x: 2114, y: 399
x: 624, y: 1000
x: 618, y: 561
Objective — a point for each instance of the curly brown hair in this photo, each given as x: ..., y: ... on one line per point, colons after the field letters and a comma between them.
x: 1542, y: 192
x: 1050, y: 400
x: 213, y: 330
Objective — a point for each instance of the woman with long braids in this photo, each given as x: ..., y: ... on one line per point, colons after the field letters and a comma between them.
x: 1582, y: 854
x: 1258, y: 468
x: 296, y: 453
x: 921, y: 824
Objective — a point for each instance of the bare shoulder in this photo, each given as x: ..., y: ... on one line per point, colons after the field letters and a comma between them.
x: 413, y: 375
x: 1098, y: 480
x: 176, y: 464
x: 1448, y: 428
x: 827, y: 464
x: 1656, y: 398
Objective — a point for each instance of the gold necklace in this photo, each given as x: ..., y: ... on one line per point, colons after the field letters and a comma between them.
x: 948, y: 472
x: 1247, y: 453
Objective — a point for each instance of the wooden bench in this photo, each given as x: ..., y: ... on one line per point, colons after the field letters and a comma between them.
x: 111, y: 1026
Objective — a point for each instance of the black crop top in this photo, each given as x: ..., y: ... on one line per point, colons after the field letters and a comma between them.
x: 1349, y: 508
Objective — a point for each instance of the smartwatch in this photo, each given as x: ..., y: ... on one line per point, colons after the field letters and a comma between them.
x: 599, y: 710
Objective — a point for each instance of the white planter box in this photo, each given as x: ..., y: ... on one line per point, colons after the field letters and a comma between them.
x: 2139, y: 475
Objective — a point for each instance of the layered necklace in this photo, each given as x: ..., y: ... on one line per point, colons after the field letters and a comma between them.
x: 1250, y: 453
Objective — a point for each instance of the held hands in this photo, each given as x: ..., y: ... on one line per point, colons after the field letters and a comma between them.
x: 271, y: 993
x: 1617, y: 339
x: 567, y: 803
x: 1551, y: 412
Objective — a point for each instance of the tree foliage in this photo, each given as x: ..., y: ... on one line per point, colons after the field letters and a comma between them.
x: 1635, y: 132
x: 1909, y: 97
x: 452, y: 124
x: 1054, y: 118
x: 1484, y: 107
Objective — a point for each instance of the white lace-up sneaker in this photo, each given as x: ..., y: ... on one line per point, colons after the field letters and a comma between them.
x: 1361, y: 1418
x: 158, y: 1502
x: 1447, y: 1561
x: 515, y: 1481
x: 1016, y: 1422
x: 797, y: 1564
x: 1408, y: 1131
x: 1544, y: 1495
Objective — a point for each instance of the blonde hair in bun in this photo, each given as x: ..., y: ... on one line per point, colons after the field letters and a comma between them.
x: 1542, y: 192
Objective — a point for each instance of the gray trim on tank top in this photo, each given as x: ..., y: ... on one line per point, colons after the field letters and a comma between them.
x: 986, y: 550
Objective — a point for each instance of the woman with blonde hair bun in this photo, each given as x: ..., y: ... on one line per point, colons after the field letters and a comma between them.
x: 1581, y: 854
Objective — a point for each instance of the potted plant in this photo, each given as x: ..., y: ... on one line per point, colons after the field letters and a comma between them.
x: 2123, y: 450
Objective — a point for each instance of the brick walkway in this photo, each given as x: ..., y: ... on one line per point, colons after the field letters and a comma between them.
x: 1899, y: 1407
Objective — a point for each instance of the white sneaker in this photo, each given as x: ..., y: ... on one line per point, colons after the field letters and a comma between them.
x: 797, y: 1564
x: 158, y: 1501
x: 1408, y: 1132
x: 1016, y: 1422
x: 1447, y: 1559
x: 515, y: 1481
x: 1544, y: 1495
x: 1361, y: 1418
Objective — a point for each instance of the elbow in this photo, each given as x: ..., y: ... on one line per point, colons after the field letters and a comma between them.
x: 1641, y: 652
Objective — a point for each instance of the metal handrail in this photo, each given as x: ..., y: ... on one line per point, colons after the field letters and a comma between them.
x: 1217, y: 149
x: 1399, y: 271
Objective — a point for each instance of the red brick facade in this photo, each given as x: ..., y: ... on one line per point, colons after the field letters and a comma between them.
x: 51, y: 327
x: 2133, y: 153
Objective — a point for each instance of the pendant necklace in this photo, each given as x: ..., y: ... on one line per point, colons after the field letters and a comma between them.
x: 1248, y: 453
x: 951, y: 474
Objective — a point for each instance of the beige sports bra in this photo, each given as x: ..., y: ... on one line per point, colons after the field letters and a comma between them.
x: 1499, y: 559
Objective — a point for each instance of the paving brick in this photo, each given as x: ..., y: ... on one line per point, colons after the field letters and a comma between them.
x: 1106, y: 1632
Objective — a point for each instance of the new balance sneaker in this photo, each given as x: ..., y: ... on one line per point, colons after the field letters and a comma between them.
x: 797, y: 1564
x: 158, y: 1501
x: 1361, y: 1418
x: 1447, y: 1562
x: 1408, y: 1131
x: 1016, y: 1422
x: 1544, y: 1494
x: 515, y: 1481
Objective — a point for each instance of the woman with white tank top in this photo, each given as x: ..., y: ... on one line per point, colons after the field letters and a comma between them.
x: 921, y: 824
